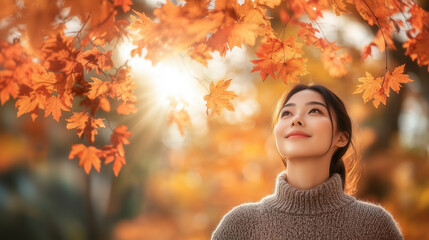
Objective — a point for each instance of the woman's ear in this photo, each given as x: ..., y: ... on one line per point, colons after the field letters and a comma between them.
x: 342, y: 140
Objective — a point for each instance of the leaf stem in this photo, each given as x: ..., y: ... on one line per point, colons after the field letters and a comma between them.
x: 382, y: 33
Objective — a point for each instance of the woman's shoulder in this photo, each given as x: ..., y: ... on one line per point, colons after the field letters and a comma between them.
x: 372, y: 208
x: 243, y: 211
x: 378, y: 218
x: 238, y: 223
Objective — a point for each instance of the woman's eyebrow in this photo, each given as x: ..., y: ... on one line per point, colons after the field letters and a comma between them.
x: 309, y: 103
x: 316, y: 103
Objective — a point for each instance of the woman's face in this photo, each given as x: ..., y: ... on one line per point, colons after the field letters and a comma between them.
x: 306, y: 117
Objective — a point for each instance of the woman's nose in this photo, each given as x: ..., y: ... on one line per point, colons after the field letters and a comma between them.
x: 296, y: 121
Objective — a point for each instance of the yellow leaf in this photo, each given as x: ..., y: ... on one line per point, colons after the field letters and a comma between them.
x: 397, y: 77
x: 219, y: 98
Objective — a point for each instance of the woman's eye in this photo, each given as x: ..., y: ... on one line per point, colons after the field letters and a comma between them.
x: 315, y: 110
x: 284, y: 113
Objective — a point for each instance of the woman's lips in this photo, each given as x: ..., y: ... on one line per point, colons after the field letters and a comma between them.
x: 298, y: 136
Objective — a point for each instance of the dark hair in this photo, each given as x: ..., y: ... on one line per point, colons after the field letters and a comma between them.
x: 343, y: 121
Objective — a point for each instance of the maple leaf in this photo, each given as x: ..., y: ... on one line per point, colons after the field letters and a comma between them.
x: 292, y: 69
x: 167, y: 36
x: 126, y: 108
x: 98, y: 88
x: 219, y: 98
x: 125, y: 4
x: 418, y: 48
x: 54, y: 106
x: 120, y: 137
x: 103, y: 25
x: 397, y: 77
x: 181, y: 118
x: 418, y: 17
x: 85, y: 125
x: 94, y: 59
x: 42, y: 80
x: 123, y: 86
x: 97, y: 103
x: 59, y: 54
x: 308, y: 32
x: 237, y: 24
x: 26, y: 104
x: 8, y: 86
x: 178, y: 114
x: 371, y: 88
x: 110, y: 154
x: 335, y: 63
x: 200, y: 53
x: 366, y: 51
x: 301, y: 7
x: 265, y: 65
x: 31, y: 103
x: 274, y: 54
x: 339, y: 7
x: 89, y: 157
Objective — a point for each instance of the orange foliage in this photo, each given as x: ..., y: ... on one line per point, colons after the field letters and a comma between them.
x: 379, y: 88
x: 51, y: 69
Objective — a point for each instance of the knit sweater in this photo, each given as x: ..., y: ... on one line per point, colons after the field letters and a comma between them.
x: 322, y: 212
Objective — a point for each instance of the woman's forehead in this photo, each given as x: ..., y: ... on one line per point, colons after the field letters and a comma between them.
x: 305, y: 96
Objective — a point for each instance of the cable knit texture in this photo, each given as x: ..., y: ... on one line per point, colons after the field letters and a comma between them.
x: 323, y: 212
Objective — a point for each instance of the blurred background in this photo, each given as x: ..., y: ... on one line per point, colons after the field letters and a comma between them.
x: 179, y: 186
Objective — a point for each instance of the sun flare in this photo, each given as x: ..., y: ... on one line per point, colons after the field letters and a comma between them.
x: 172, y: 77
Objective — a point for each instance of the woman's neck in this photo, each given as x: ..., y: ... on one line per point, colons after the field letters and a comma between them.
x: 307, y: 173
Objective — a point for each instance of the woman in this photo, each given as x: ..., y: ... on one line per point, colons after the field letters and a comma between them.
x: 312, y: 133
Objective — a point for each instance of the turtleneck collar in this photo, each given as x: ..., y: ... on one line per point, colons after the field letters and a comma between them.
x: 323, y: 198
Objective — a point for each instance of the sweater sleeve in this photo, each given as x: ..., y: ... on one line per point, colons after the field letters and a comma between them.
x: 236, y: 224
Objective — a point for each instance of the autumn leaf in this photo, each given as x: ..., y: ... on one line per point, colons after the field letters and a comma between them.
x: 339, y: 7
x: 397, y: 77
x: 418, y: 17
x: 308, y: 32
x: 54, y: 106
x: 89, y: 157
x: 237, y: 24
x: 369, y: 86
x: 8, y: 86
x: 292, y: 69
x: 110, y: 154
x: 94, y: 59
x: 301, y: 7
x: 123, y: 86
x: 59, y: 54
x: 167, y: 36
x: 219, y: 98
x: 120, y: 137
x: 85, y: 125
x: 334, y: 62
x: 181, y: 118
x: 265, y: 65
x: 126, y: 108
x: 31, y: 103
x: 98, y: 88
x: 418, y: 48
x: 125, y: 4
x: 277, y: 56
